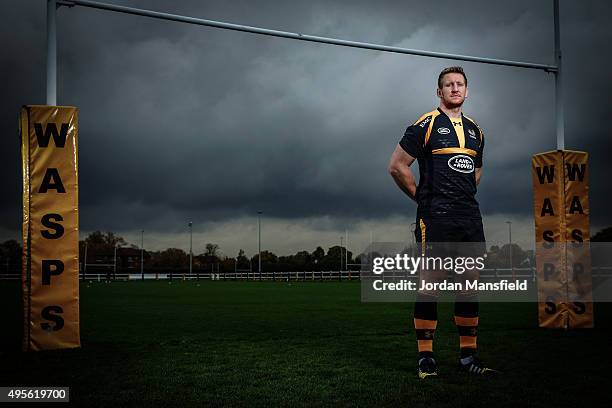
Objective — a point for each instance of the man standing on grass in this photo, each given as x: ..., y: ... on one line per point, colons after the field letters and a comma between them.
x: 448, y: 146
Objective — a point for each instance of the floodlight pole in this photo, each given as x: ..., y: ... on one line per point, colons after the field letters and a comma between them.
x: 142, y: 254
x: 259, y: 240
x: 346, y: 250
x: 85, y: 262
x: 510, y: 247
x: 190, y: 248
x: 341, y: 256
x: 413, y: 239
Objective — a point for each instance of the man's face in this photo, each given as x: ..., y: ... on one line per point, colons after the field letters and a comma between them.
x: 453, y: 91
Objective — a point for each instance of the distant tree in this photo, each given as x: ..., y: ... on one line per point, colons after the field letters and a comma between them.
x: 301, y: 261
x: 10, y: 255
x: 317, y: 258
x: 171, y: 258
x: 242, y: 260
x: 227, y: 265
x: 605, y: 235
x: 11, y: 248
x: 211, y: 254
x: 268, y: 260
x: 211, y: 250
x: 330, y: 261
x: 103, y: 242
x: 500, y: 257
x: 366, y: 259
x: 268, y: 257
x: 333, y: 259
x: 600, y: 254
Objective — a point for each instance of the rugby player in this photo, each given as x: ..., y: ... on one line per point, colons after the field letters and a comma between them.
x: 448, y: 147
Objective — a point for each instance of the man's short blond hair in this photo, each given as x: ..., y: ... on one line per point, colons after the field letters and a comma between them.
x: 451, y: 70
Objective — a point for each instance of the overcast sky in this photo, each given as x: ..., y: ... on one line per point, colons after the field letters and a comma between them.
x: 181, y: 122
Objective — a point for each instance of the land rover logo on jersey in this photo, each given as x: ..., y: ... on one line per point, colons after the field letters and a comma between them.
x: 461, y: 163
x: 443, y: 131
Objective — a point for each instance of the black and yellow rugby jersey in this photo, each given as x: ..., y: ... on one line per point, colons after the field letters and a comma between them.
x: 448, y: 151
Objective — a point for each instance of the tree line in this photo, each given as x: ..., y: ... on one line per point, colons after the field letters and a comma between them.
x: 104, y: 243
x: 209, y: 257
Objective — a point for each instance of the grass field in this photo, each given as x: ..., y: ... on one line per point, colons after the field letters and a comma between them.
x: 303, y: 344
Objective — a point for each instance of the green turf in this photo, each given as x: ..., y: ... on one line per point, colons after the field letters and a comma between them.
x: 270, y: 344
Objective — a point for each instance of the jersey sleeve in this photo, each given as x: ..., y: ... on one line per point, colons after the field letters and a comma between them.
x: 478, y: 159
x: 414, y: 138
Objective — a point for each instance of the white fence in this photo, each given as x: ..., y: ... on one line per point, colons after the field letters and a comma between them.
x: 100, y: 276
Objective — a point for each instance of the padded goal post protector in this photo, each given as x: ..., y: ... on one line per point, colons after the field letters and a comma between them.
x: 561, y: 211
x: 50, y: 270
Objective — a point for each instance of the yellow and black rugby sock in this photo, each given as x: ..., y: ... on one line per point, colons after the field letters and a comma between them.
x: 425, y: 323
x: 466, y: 319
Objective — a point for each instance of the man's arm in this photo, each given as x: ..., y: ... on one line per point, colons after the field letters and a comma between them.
x: 399, y: 168
x: 478, y: 173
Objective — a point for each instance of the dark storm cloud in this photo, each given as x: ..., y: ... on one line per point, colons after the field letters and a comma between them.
x: 182, y: 122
